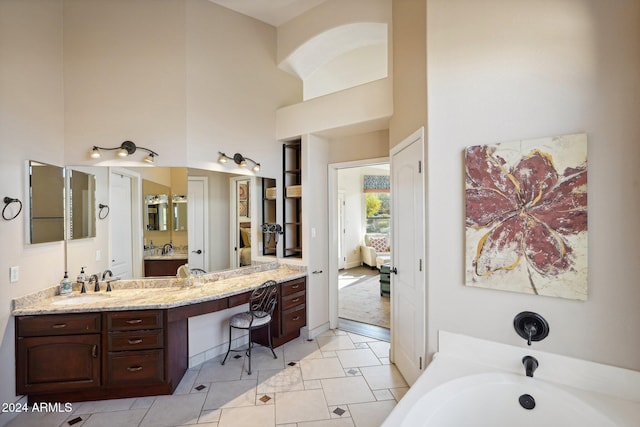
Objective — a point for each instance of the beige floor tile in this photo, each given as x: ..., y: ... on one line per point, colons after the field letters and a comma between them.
x: 342, y: 391
x: 119, y: 418
x: 299, y: 406
x: 371, y: 414
x: 209, y: 416
x: 103, y: 406
x: 360, y: 338
x: 261, y: 358
x: 336, y: 422
x: 312, y: 385
x: 143, y: 402
x: 278, y: 380
x: 383, y: 394
x: 385, y: 376
x: 253, y: 416
x: 380, y: 348
x: 212, y: 370
x: 188, y: 381
x: 357, y: 358
x: 336, y: 342
x: 300, y: 349
x: 33, y: 419
x: 398, y: 393
x: 231, y: 394
x: 169, y: 411
x: 315, y: 369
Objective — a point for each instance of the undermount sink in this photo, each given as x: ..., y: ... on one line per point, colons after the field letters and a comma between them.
x: 81, y: 299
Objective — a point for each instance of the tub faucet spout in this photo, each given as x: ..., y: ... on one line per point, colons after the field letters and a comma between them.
x: 530, y: 365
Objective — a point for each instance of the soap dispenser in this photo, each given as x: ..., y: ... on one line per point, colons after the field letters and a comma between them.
x: 82, y: 278
x: 65, y: 285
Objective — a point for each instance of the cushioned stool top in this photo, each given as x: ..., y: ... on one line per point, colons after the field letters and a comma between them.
x: 243, y: 320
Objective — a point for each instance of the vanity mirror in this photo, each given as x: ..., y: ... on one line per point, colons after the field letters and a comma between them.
x: 81, y: 204
x: 194, y: 196
x: 46, y: 202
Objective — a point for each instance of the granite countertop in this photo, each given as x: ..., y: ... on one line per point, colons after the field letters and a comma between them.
x: 146, y: 294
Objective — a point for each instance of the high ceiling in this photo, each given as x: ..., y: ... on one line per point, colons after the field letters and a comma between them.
x: 274, y: 12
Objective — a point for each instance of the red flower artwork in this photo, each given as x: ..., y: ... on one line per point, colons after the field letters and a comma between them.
x: 528, y: 209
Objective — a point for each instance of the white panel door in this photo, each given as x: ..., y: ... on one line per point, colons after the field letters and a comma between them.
x: 121, y: 223
x: 197, y: 229
x: 408, y: 282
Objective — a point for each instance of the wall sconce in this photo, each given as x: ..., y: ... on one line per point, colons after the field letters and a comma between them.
x: 125, y: 149
x: 239, y: 159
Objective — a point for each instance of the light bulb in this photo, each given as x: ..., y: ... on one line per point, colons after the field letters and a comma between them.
x: 95, y: 153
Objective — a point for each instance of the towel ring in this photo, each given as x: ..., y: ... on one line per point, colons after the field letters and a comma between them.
x: 102, y: 207
x: 7, y: 202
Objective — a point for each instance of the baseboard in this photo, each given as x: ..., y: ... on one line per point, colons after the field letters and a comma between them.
x: 353, y: 264
x: 216, y: 351
x: 308, y: 334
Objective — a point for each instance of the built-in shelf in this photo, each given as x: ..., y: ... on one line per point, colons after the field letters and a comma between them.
x: 292, y: 205
x: 268, y: 215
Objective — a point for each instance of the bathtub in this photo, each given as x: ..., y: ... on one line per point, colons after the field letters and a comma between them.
x: 473, y: 382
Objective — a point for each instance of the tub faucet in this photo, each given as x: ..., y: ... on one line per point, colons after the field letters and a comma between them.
x: 94, y: 277
x: 530, y: 365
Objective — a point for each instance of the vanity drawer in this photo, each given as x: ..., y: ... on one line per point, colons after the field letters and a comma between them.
x: 293, y: 320
x: 135, y: 367
x: 137, y: 340
x: 58, y: 324
x: 134, y: 320
x: 293, y: 300
x: 293, y: 286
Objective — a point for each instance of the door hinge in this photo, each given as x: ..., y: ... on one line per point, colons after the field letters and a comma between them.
x: 419, y: 166
x: 420, y: 265
x: 420, y: 363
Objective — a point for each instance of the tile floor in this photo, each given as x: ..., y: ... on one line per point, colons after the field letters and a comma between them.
x: 339, y: 379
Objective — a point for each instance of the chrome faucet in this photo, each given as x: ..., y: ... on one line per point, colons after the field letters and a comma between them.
x: 94, y: 277
x: 530, y: 365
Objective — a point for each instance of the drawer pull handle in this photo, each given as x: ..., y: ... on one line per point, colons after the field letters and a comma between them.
x: 134, y: 321
x: 296, y: 318
x: 295, y: 286
x: 94, y: 351
x: 59, y: 326
x: 295, y: 300
x: 135, y: 340
x: 134, y: 368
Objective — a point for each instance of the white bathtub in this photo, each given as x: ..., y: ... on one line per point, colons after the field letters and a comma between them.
x: 478, y: 383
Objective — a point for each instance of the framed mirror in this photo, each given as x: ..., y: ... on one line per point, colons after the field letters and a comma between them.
x: 179, y: 210
x: 81, y: 204
x: 46, y: 202
x: 157, y: 212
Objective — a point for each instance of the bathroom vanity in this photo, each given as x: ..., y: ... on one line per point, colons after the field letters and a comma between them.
x: 133, y: 342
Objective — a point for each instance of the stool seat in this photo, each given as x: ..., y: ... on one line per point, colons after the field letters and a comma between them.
x: 245, y: 320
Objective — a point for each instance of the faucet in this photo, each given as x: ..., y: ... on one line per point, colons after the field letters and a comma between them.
x: 530, y: 365
x: 167, y: 248
x: 94, y: 277
x: 110, y: 274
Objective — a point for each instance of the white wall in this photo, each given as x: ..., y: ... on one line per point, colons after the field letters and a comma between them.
x: 31, y: 127
x: 350, y: 182
x: 501, y: 71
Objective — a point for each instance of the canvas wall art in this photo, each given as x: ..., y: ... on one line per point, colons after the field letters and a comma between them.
x: 526, y: 216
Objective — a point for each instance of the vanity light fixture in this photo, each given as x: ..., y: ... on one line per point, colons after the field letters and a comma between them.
x: 239, y: 159
x: 125, y: 149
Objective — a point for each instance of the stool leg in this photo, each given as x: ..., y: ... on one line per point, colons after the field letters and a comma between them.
x: 250, y: 345
x: 229, y: 349
x: 270, y: 344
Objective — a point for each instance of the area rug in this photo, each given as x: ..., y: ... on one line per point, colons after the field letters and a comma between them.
x: 361, y: 302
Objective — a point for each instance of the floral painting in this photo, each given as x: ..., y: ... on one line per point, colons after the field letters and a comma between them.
x: 526, y: 216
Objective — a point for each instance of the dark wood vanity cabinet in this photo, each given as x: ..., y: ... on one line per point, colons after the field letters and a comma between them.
x: 135, y: 348
x: 162, y: 267
x: 289, y: 315
x: 58, y: 353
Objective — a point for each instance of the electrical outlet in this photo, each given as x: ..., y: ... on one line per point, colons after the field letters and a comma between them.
x: 14, y: 274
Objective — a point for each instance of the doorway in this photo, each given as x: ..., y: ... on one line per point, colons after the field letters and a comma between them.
x: 356, y: 301
x: 125, y: 195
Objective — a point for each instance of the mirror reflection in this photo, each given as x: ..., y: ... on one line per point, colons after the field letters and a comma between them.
x: 46, y: 202
x: 81, y: 209
x: 157, y: 210
x: 163, y: 217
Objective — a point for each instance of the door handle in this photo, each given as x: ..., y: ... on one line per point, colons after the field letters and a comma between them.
x: 394, y: 270
x: 199, y: 251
